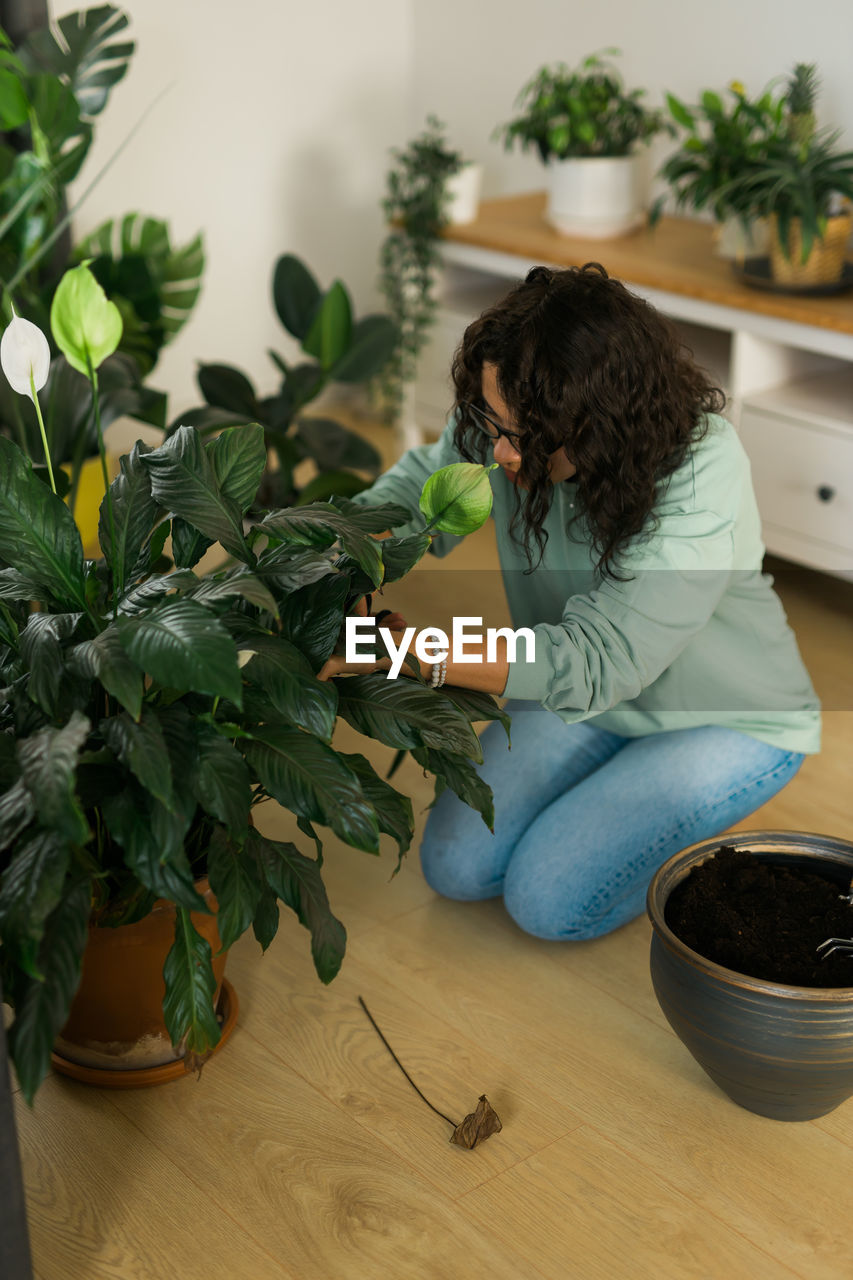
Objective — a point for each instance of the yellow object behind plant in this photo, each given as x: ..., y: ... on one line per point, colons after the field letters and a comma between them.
x: 90, y: 493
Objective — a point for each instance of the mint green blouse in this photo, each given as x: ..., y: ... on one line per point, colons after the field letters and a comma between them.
x: 696, y: 636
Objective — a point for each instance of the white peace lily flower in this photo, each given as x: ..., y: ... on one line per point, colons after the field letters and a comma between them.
x: 244, y: 656
x: 24, y: 351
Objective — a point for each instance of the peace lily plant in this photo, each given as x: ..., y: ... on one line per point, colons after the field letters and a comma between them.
x: 146, y: 711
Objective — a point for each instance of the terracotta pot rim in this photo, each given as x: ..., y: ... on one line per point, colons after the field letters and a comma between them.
x: 776, y: 842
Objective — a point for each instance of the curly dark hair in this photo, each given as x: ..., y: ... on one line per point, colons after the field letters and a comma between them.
x: 586, y: 366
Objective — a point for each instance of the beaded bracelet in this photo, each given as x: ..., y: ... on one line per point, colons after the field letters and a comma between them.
x: 439, y: 674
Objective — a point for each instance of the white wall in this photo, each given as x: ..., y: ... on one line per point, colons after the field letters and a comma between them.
x: 273, y: 138
x: 471, y: 57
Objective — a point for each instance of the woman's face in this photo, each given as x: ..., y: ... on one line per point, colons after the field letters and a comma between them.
x: 505, y: 452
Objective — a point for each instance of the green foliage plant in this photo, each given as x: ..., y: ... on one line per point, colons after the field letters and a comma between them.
x: 52, y: 90
x: 721, y: 138
x: 566, y: 113
x: 339, y: 349
x: 804, y: 176
x: 145, y: 712
x: 415, y: 207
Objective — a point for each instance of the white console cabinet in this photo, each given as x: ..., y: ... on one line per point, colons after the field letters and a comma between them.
x: 785, y: 361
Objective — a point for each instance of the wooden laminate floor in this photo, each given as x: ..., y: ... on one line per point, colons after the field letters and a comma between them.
x: 302, y: 1151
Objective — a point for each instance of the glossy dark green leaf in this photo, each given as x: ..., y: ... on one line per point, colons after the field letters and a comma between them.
x: 17, y: 809
x: 220, y: 780
x: 296, y: 295
x: 183, y: 480
x: 16, y: 586
x: 239, y: 456
x: 460, y: 775
x: 402, y: 713
x: 234, y: 583
x: 104, y: 659
x: 234, y: 880
x: 43, y: 1011
x: 478, y: 706
x: 312, y: 617
x: 42, y: 653
x: 134, y: 514
x: 375, y: 517
x: 188, y: 544
x: 142, y: 748
x: 152, y: 839
x: 393, y: 809
x: 309, y: 778
x: 289, y: 568
x: 182, y: 646
x: 296, y: 880
x: 190, y: 988
x: 38, y: 535
x: 48, y: 762
x: 265, y: 921
x: 321, y: 525
x: 31, y: 889
x: 400, y: 555
x: 284, y: 675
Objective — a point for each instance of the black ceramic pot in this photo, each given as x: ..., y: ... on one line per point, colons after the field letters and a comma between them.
x: 784, y: 1052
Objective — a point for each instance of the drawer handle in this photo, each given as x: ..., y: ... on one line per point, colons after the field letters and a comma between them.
x: 826, y: 492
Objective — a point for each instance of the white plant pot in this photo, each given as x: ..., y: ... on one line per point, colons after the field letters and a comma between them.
x: 463, y: 190
x: 595, y: 196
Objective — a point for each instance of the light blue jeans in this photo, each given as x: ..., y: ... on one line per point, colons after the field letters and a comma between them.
x: 584, y: 817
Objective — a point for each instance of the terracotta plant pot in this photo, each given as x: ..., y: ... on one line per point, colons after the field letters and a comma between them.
x: 825, y: 263
x: 115, y: 1034
x: 780, y: 1051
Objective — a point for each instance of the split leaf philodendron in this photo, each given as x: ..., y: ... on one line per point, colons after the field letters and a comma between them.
x: 144, y: 715
x: 458, y: 498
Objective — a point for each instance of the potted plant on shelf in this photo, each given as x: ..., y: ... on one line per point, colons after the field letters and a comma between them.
x: 586, y: 127
x: 720, y: 140
x: 428, y: 186
x: 804, y: 185
x: 144, y: 714
x: 340, y: 350
x: 739, y: 971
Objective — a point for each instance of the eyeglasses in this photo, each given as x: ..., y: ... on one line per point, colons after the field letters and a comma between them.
x: 489, y: 427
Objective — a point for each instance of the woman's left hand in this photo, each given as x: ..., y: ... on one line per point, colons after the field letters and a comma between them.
x: 337, y: 665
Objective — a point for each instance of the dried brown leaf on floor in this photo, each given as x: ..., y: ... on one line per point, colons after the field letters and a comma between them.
x: 478, y: 1126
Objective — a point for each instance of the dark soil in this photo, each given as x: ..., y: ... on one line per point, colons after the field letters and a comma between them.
x: 764, y: 918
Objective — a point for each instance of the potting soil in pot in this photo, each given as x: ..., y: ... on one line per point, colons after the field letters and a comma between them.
x: 765, y: 919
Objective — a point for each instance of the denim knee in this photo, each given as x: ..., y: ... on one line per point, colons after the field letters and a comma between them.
x: 450, y: 870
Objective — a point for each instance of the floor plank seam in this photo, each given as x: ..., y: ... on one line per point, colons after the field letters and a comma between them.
x: 728, y: 1226
x: 206, y: 1191
x: 499, y: 1173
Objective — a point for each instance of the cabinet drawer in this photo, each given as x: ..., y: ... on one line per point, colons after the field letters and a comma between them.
x: 803, y: 475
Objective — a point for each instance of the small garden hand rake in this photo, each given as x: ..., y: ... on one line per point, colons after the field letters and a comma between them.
x: 844, y: 946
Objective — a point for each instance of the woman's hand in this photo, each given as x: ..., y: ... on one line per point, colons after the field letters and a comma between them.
x: 337, y: 665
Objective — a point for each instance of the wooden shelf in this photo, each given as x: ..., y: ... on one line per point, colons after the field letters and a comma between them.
x: 676, y: 257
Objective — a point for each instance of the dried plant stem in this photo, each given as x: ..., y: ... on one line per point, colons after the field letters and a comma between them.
x: 402, y: 1068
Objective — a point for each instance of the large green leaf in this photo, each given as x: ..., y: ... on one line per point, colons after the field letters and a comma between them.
x: 220, y: 780
x: 289, y: 568
x: 297, y: 881
x: 235, y: 582
x: 400, y: 555
x: 40, y: 648
x: 152, y: 839
x: 228, y: 388
x: 459, y: 774
x: 190, y: 988
x: 375, y: 518
x: 265, y: 922
x: 402, y: 713
x: 183, y: 480
x: 142, y: 748
x: 181, y: 646
x: 135, y: 512
x: 310, y: 778
x: 188, y: 545
x: 239, y: 457
x: 321, y: 525
x: 393, y: 809
x: 312, y: 617
x: 104, y: 659
x: 331, y: 329
x: 284, y: 675
x: 87, y: 56
x: 48, y: 762
x: 234, y: 879
x: 37, y: 531
x: 296, y: 295
x: 478, y: 706
x: 29, y: 891
x: 17, y: 808
x: 43, y: 1011
x: 373, y: 341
